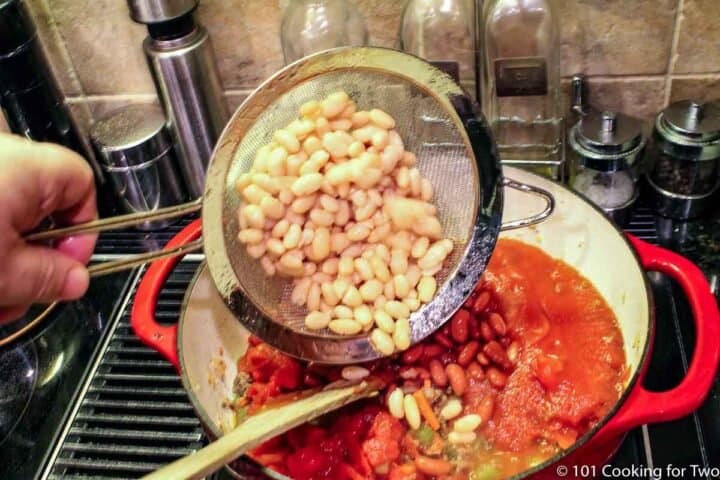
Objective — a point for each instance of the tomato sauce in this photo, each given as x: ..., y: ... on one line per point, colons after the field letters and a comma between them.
x: 540, y: 359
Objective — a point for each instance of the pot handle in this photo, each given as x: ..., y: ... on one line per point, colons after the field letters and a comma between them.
x: 142, y: 318
x: 643, y: 406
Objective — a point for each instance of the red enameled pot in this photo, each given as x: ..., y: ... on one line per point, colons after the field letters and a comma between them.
x: 208, y: 335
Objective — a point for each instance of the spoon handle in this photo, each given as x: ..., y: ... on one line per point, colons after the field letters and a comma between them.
x: 263, y: 426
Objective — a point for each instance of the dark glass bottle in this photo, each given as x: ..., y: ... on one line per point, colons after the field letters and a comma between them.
x: 30, y: 100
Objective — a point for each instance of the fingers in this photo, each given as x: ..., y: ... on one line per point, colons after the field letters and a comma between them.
x: 39, y: 274
x: 39, y: 179
x: 10, y: 314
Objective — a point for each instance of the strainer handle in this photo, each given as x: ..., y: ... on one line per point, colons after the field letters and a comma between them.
x: 532, y: 190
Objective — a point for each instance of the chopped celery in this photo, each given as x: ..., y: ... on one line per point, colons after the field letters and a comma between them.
x: 485, y: 472
x: 450, y: 452
x: 424, y: 435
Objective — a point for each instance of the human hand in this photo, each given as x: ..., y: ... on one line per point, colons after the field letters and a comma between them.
x: 38, y: 180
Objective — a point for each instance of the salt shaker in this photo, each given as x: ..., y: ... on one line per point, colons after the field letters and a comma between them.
x: 684, y: 180
x: 607, y: 148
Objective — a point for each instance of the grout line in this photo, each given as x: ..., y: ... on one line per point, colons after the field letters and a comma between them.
x: 239, y: 91
x: 697, y: 76
x: 66, y: 58
x: 112, y: 97
x: 673, y: 51
x: 601, y: 78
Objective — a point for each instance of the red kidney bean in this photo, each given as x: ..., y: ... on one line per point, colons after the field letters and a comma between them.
x: 496, y: 378
x: 474, y: 327
x: 486, y: 332
x: 482, y: 359
x: 470, y: 300
x: 481, y: 302
x: 413, y: 354
x: 437, y: 373
x: 495, y: 352
x: 311, y: 380
x: 505, y: 341
x: 459, y: 326
x: 447, y: 357
x: 408, y: 373
x: 497, y: 322
x: 423, y: 373
x: 432, y: 350
x: 485, y: 409
x: 475, y: 371
x: 456, y: 377
x: 446, y: 329
x: 410, y: 386
x: 443, y: 340
x: 468, y: 352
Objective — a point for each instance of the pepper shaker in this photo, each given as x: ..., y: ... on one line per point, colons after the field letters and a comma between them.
x: 182, y: 62
x: 138, y: 157
x: 606, y: 149
x: 684, y: 180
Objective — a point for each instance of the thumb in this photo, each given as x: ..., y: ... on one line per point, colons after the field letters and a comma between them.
x: 41, y: 274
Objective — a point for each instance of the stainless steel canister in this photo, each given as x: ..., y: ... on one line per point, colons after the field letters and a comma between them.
x: 138, y: 157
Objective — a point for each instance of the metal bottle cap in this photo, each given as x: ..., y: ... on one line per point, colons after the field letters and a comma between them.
x: 690, y: 130
x: 608, y: 140
x: 131, y: 136
x: 157, y: 11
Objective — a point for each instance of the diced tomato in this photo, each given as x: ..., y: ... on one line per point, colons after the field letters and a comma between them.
x: 383, y: 444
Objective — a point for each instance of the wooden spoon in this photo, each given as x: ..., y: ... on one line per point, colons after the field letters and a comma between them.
x: 267, y: 424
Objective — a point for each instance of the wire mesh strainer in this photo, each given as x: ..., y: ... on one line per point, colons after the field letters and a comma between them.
x: 436, y: 121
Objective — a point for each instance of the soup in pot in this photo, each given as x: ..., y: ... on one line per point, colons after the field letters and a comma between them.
x: 532, y: 361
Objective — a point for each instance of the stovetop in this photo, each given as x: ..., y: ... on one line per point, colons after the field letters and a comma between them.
x: 116, y: 409
x: 39, y: 375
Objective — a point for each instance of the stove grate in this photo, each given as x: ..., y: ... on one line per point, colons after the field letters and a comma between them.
x: 135, y: 415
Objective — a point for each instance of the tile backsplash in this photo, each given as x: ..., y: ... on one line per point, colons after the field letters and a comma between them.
x: 638, y: 54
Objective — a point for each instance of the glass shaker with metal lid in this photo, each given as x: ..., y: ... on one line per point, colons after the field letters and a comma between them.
x: 606, y: 150
x: 684, y: 179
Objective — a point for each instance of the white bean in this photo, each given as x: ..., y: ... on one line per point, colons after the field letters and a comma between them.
x: 401, y: 336
x: 346, y: 266
x: 310, y: 109
x: 275, y: 246
x: 329, y: 203
x: 467, y: 423
x: 341, y: 311
x: 250, y: 236
x: 363, y: 315
x: 311, y: 145
x: 380, y: 269
x: 412, y: 412
x: 268, y: 265
x: 328, y: 294
x: 382, y: 342
x: 330, y: 266
x: 402, y: 288
x: 341, y: 287
x: 307, y: 184
x: 292, y: 237
x: 313, y: 298
x: 334, y: 104
x: 354, y: 373
x: 360, y: 119
x: 384, y: 322
x: 395, y: 403
x: 397, y: 309
x: 352, y: 297
x: 398, y: 261
x: 256, y: 251
x: 362, y: 266
x: 317, y: 320
x: 382, y: 119
x: 321, y: 244
x: 272, y: 207
x: 457, y: 438
x: 426, y: 288
x: 434, y: 257
x: 345, y: 326
x: 451, y: 409
x: 370, y: 290
x: 288, y: 140
x: 321, y: 217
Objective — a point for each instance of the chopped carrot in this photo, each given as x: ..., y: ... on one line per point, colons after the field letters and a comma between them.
x: 426, y: 410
